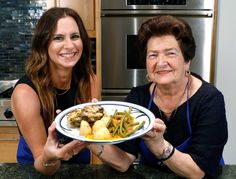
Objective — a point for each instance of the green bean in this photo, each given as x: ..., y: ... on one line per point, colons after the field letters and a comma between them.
x: 122, y: 122
x: 109, y: 122
x: 121, y: 125
x: 115, y: 130
x: 133, y: 124
x: 136, y: 129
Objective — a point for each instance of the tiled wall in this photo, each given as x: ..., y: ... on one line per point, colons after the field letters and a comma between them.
x: 17, y: 22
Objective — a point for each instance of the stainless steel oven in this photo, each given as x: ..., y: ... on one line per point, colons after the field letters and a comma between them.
x: 6, y: 88
x: 120, y: 21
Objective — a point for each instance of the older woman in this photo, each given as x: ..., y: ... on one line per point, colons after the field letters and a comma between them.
x: 190, y: 131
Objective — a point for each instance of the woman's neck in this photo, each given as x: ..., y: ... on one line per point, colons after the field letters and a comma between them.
x: 168, y: 98
x: 61, y: 81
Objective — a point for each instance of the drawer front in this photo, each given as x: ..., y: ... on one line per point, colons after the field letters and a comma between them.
x: 9, y: 138
x: 8, y: 149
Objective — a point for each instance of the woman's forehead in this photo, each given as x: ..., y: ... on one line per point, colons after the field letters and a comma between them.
x: 163, y: 42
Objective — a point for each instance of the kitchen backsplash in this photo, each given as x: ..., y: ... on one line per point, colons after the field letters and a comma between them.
x: 17, y: 22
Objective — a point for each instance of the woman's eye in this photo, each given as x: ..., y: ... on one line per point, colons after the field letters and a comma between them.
x: 151, y: 55
x: 57, y: 38
x: 171, y: 53
x: 75, y: 37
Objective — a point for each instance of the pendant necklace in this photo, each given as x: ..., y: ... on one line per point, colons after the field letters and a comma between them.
x: 59, y: 95
x: 63, y: 92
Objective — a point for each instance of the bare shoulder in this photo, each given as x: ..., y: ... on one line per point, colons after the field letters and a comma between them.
x: 24, y: 100
x: 23, y: 91
x: 95, y: 87
x: 94, y: 78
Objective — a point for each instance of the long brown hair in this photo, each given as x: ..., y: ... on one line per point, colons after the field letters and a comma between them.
x: 37, y: 66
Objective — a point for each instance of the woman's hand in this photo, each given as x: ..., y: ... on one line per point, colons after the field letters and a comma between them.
x: 157, y: 131
x: 94, y: 100
x: 54, y: 151
x: 154, y: 137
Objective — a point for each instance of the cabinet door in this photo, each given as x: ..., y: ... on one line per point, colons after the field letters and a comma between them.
x: 85, y: 8
x: 9, y: 138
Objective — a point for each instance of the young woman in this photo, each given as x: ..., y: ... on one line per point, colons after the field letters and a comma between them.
x: 58, y: 75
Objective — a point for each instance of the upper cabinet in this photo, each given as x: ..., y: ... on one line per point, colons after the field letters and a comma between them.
x: 85, y: 8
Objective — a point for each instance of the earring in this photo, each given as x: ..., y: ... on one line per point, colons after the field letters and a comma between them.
x: 148, y: 79
x: 187, y: 73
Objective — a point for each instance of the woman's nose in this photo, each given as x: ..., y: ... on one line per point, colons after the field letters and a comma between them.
x: 161, y: 59
x: 68, y: 43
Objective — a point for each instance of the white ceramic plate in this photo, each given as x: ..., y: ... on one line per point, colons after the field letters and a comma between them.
x: 138, y: 112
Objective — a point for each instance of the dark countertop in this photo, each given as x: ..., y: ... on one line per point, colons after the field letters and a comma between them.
x: 16, y: 171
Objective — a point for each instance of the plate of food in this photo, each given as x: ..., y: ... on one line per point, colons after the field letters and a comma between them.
x: 104, y: 122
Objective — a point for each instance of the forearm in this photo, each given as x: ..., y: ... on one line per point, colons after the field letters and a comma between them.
x: 113, y: 156
x: 183, y: 165
x: 46, y: 167
x: 180, y: 163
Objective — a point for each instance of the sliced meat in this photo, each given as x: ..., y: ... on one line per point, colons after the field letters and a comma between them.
x: 88, y: 113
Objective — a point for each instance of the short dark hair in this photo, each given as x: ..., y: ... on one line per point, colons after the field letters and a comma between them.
x: 168, y: 25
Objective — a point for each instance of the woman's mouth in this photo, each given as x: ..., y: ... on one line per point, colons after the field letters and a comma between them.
x: 68, y: 55
x: 162, y: 72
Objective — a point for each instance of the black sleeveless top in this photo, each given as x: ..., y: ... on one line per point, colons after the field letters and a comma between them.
x: 64, y: 100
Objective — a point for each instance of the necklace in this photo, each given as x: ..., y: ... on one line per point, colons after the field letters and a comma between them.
x: 172, y: 113
x: 63, y: 91
x: 166, y: 114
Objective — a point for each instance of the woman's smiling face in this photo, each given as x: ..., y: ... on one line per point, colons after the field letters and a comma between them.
x: 164, y: 60
x: 66, y: 46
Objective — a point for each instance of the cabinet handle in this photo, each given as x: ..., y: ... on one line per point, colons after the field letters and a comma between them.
x: 10, y: 139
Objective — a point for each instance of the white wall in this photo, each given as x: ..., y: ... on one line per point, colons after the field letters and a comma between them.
x: 225, y: 76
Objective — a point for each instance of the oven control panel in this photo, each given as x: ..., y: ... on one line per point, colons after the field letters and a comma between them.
x: 156, y: 2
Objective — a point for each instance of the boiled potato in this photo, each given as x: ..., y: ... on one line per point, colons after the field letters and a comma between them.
x: 98, y: 124
x: 101, y: 134
x: 85, y: 128
x: 106, y: 120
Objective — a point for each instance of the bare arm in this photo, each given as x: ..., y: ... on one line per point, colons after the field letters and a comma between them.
x: 96, y: 88
x: 109, y: 154
x: 26, y: 109
x: 183, y: 165
x: 112, y: 156
x: 180, y: 163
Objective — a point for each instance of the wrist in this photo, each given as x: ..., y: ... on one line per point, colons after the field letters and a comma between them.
x: 101, y: 151
x: 160, y: 146
x: 167, y: 152
x: 48, y: 163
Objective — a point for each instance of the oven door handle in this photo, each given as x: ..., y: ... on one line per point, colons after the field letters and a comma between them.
x: 205, y: 13
x: 115, y: 91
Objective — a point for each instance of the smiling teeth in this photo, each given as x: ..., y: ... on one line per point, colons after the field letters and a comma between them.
x: 68, y: 54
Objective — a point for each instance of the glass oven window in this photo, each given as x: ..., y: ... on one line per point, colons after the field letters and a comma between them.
x: 135, y: 59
